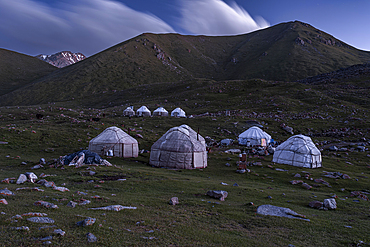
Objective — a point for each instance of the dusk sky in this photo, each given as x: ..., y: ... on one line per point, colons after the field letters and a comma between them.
x: 89, y: 26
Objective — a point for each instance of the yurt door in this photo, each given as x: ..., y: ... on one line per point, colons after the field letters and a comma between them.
x: 316, y: 162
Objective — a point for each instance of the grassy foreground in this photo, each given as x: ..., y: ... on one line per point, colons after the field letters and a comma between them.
x: 197, y: 220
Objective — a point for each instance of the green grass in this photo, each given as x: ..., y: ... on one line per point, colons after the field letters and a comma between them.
x: 198, y: 220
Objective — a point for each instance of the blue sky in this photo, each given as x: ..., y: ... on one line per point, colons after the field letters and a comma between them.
x: 89, y: 26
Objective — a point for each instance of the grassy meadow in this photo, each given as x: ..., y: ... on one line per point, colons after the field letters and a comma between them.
x: 197, y: 220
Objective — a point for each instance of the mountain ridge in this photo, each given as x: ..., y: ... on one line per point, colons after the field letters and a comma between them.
x: 285, y: 52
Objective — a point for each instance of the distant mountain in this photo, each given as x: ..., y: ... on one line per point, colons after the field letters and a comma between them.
x: 17, y: 70
x: 284, y: 52
x: 62, y: 59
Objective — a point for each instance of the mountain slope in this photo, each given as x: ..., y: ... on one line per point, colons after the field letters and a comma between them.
x: 62, y: 59
x: 17, y: 70
x: 285, y: 52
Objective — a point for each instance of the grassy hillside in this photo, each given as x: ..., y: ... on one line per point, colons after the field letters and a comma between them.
x: 198, y: 220
x: 285, y: 52
x: 17, y: 70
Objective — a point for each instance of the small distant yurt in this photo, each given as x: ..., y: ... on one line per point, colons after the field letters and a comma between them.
x: 178, y: 112
x: 254, y: 136
x: 114, y: 142
x: 298, y: 150
x: 129, y: 112
x: 180, y: 148
x: 160, y: 111
x: 143, y: 112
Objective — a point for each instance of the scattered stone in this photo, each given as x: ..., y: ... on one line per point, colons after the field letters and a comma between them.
x: 72, y: 204
x: 91, y: 238
x: 174, y: 201
x: 30, y: 188
x: 50, y: 184
x: 297, y: 175
x: 330, y: 203
x: 306, y: 186
x: 41, y: 220
x: 227, y: 164
x: 113, y: 208
x: 236, y: 185
x: 21, y: 228
x: 31, y: 176
x: 86, y: 222
x: 241, y: 171
x: 59, y: 231
x: 3, y: 201
x: 296, y: 181
x: 281, y: 170
x: 34, y: 214
x: 279, y: 211
x: 224, y: 183
x: 62, y: 189
x: 84, y: 202
x: 6, y: 192
x: 316, y: 204
x: 359, y: 195
x: 37, y: 167
x: 47, y: 243
x: 92, y: 173
x: 233, y: 151
x: 319, y: 180
x: 46, y: 238
x: 218, y: 194
x: 21, y: 179
x: 45, y: 204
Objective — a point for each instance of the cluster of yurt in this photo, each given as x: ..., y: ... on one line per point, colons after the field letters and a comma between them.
x: 183, y: 148
x: 180, y: 147
x: 298, y: 150
x: 143, y: 111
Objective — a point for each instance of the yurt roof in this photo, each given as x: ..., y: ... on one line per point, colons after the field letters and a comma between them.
x: 129, y: 109
x: 182, y: 137
x: 113, y: 135
x: 300, y: 144
x: 160, y: 109
x: 255, y: 133
x: 178, y: 110
x: 143, y: 109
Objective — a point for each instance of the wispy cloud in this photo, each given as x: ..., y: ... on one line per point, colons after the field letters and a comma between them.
x: 215, y: 17
x: 86, y: 26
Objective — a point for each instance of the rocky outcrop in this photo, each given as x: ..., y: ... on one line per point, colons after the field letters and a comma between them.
x: 62, y: 59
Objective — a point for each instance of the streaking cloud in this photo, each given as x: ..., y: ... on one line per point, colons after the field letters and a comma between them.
x: 86, y: 26
x: 215, y: 17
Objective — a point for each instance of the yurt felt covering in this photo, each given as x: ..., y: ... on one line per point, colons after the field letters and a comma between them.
x: 254, y: 135
x: 180, y: 148
x: 115, y: 139
x: 298, y: 150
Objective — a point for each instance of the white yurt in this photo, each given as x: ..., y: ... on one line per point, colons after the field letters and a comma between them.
x: 114, y: 142
x: 129, y: 112
x: 160, y: 111
x: 298, y: 150
x: 180, y: 148
x: 178, y: 112
x: 143, y: 112
x: 254, y: 136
